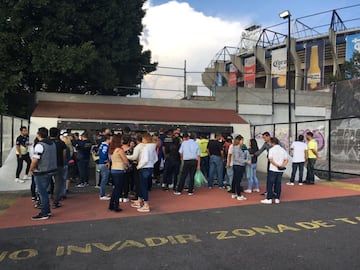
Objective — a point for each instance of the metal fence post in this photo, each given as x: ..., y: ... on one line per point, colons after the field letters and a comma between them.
x: 1, y: 138
x: 329, y: 151
x: 12, y: 131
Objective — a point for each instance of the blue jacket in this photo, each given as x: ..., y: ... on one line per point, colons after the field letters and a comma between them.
x: 103, y: 153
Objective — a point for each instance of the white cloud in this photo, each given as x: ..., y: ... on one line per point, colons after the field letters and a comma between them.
x: 175, y: 32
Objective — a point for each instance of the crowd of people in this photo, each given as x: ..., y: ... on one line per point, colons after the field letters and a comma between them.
x: 133, y: 162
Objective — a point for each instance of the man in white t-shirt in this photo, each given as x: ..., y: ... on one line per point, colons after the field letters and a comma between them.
x: 278, y: 159
x: 299, y: 157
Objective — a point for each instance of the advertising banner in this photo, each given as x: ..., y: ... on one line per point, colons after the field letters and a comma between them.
x: 219, y: 79
x: 232, y: 75
x: 314, y: 65
x: 250, y: 72
x: 352, y: 46
x: 278, y: 68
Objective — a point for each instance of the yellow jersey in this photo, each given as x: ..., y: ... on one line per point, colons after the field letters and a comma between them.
x: 203, y: 147
x: 312, y: 145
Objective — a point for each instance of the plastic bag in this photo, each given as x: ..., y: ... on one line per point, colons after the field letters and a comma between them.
x: 198, y: 179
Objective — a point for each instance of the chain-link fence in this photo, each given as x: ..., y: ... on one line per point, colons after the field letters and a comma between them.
x: 9, y: 130
x: 338, y: 143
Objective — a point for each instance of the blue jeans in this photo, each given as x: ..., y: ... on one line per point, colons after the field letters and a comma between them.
x: 230, y: 175
x: 253, y: 178
x: 117, y: 177
x: 42, y: 182
x: 274, y: 183
x: 216, y: 162
x: 238, y: 175
x: 310, y: 177
x: 295, y: 166
x: 145, y: 175
x: 104, y: 174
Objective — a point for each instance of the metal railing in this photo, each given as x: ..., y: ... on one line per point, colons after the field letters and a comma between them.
x: 9, y: 130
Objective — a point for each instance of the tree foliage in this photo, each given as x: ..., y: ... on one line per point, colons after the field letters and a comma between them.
x: 72, y: 46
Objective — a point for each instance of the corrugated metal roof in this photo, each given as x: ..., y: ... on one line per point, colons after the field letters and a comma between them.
x: 122, y: 112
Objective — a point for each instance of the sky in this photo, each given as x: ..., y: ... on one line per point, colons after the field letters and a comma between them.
x: 196, y: 30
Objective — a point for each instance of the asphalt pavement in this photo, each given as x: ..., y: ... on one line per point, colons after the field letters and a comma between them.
x: 311, y: 234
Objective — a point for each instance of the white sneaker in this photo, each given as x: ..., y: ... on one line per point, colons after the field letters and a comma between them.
x: 256, y: 190
x: 26, y: 177
x: 241, y: 198
x: 120, y: 199
x: 277, y: 201
x: 126, y: 200
x: 247, y: 191
x: 163, y: 185
x: 171, y: 186
x: 300, y: 184
x: 104, y: 198
x: 98, y: 187
x: 266, y: 201
x: 290, y: 184
x: 177, y: 193
x: 233, y: 196
x: 17, y: 180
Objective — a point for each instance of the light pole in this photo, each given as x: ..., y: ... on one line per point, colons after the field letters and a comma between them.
x: 287, y: 15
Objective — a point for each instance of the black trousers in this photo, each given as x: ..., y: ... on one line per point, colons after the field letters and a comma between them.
x: 189, y: 168
x: 20, y: 161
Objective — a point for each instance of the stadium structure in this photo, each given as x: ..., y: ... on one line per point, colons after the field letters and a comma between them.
x: 257, y: 69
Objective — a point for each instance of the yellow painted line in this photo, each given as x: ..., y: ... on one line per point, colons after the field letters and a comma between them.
x: 339, y: 184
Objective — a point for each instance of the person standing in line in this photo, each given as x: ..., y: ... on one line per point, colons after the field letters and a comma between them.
x: 253, y: 180
x: 60, y: 157
x: 229, y: 162
x: 228, y: 172
x: 266, y: 146
x: 135, y: 158
x: 216, y: 153
x: 172, y: 161
x: 190, y: 154
x: 278, y: 159
x: 69, y: 154
x: 118, y: 167
x: 204, y: 155
x: 22, y: 154
x: 313, y: 155
x: 148, y: 157
x: 104, y: 165
x: 300, y: 154
x: 129, y: 171
x: 83, y: 153
x: 43, y: 167
x: 239, y: 158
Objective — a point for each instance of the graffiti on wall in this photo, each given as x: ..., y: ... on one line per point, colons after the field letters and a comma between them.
x: 345, y: 140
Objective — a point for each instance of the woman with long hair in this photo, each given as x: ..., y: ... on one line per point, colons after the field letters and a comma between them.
x: 253, y: 180
x: 239, y: 158
x: 118, y: 167
x: 129, y: 172
x: 68, y: 162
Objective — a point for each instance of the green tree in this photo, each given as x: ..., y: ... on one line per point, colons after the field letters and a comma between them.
x: 72, y: 46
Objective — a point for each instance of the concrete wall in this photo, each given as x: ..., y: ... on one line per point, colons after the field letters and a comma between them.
x: 37, y: 122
